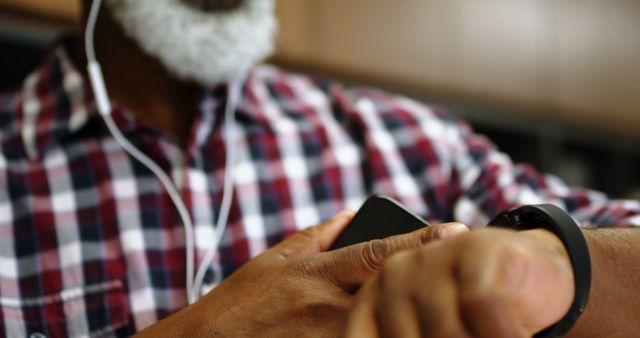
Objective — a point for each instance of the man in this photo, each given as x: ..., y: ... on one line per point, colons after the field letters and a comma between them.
x: 92, y: 245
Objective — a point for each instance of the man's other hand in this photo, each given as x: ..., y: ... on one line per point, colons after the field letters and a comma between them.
x: 296, y: 288
x: 491, y: 283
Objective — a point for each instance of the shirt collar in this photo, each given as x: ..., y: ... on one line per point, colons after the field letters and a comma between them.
x: 57, y: 101
x: 54, y: 103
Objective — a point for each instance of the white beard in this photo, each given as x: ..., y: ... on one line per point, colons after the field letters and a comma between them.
x: 208, y: 48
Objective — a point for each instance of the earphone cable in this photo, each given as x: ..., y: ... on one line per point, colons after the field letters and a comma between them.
x: 233, y: 97
x: 104, y: 108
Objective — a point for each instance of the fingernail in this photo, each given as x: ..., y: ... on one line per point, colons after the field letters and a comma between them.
x: 451, y: 229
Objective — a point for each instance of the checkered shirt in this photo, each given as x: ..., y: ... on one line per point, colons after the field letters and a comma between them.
x: 91, y: 245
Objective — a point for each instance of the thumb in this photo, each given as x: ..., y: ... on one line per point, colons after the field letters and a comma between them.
x: 352, y: 266
x: 314, y: 239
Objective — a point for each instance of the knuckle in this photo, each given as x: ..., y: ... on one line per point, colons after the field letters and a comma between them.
x: 479, y: 293
x: 514, y: 267
x: 313, y: 304
x: 422, y: 236
x: 433, y: 232
x: 373, y: 254
x: 430, y: 234
x: 478, y: 299
x: 304, y: 269
x: 511, y: 256
x: 318, y: 308
x: 310, y: 232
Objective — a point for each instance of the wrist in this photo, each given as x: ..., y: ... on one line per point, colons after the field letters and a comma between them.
x: 560, y: 223
x: 553, y: 245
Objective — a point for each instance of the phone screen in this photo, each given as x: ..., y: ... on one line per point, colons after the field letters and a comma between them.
x: 379, y: 217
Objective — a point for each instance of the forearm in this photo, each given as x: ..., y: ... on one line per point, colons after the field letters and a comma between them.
x: 615, y: 288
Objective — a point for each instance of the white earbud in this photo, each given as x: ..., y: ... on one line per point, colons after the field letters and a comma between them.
x: 103, y: 104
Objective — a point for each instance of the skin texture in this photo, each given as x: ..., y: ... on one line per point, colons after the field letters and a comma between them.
x: 489, y: 283
x: 466, y: 286
x: 498, y: 283
x: 295, y: 289
x: 612, y: 310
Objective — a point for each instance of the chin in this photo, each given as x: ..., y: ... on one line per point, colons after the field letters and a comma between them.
x: 208, y: 47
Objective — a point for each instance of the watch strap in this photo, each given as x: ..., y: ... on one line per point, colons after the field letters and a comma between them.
x: 559, y: 222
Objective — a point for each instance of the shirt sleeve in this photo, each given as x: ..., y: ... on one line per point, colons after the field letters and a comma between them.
x: 459, y: 174
x: 489, y: 182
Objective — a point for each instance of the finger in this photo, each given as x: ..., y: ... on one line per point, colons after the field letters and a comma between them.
x: 417, y: 294
x: 351, y: 266
x: 395, y: 310
x: 452, y: 229
x: 314, y: 239
x: 485, y: 308
x: 487, y: 317
x: 540, y: 279
x: 438, y: 310
x: 362, y: 322
x: 435, y: 295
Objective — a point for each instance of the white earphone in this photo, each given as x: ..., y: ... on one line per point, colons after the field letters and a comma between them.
x: 103, y: 104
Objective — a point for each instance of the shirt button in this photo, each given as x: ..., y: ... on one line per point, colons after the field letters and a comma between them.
x: 37, y: 335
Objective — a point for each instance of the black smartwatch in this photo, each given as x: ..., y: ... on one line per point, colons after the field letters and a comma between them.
x: 556, y: 220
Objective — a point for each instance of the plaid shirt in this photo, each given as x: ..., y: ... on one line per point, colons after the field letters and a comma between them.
x: 90, y: 244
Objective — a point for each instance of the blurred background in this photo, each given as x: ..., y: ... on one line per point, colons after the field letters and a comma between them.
x: 555, y: 83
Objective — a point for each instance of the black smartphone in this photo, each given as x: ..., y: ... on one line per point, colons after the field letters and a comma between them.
x: 379, y: 217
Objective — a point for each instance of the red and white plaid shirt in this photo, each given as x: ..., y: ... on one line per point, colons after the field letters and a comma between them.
x: 90, y: 244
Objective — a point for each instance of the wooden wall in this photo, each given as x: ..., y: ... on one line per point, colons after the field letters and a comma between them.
x: 68, y: 10
x: 573, y: 59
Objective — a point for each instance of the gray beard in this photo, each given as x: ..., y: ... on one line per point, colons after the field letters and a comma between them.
x: 194, y: 45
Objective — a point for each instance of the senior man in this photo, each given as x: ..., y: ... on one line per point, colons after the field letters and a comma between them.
x: 92, y: 244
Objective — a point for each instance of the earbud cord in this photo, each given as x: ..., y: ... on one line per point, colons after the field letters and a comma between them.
x: 233, y: 98
x: 104, y: 108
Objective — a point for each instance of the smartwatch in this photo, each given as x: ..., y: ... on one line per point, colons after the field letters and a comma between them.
x: 556, y: 220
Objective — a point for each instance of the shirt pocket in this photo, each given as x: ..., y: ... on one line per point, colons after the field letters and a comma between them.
x: 96, y: 310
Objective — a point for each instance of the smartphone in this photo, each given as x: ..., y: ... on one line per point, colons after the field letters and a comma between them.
x: 379, y: 217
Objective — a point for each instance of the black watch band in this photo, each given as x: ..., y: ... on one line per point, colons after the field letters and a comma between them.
x: 556, y: 220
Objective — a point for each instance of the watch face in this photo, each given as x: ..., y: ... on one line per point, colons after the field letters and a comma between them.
x: 511, y: 219
x: 527, y: 217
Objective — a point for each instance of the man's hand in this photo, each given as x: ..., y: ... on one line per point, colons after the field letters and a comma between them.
x: 487, y: 283
x: 295, y: 289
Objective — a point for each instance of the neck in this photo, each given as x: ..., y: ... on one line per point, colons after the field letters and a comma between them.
x: 140, y: 83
